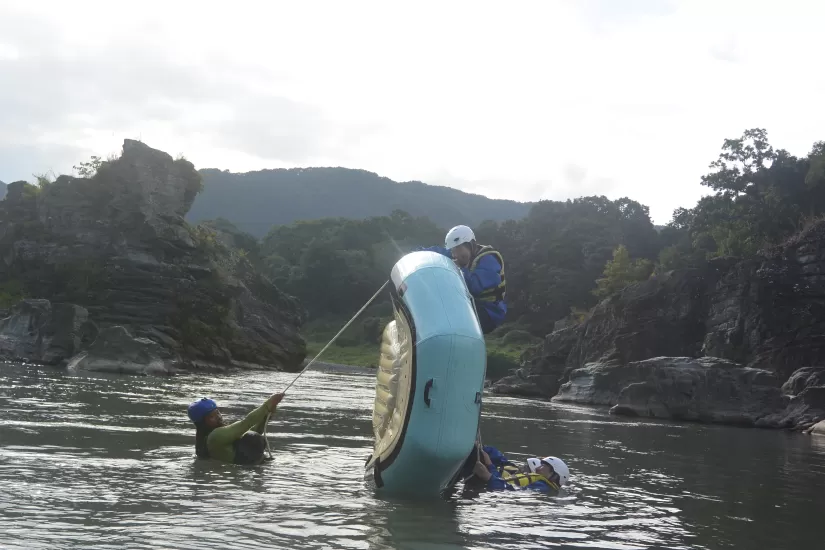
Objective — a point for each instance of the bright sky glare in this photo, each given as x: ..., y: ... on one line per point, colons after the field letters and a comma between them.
x: 521, y: 100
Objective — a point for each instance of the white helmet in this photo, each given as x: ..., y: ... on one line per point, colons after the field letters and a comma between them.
x: 534, y: 464
x: 459, y: 234
x: 559, y: 467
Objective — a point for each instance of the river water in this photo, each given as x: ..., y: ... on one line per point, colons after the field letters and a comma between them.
x: 107, y: 461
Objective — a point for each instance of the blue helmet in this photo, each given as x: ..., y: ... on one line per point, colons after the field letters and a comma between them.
x: 200, y: 409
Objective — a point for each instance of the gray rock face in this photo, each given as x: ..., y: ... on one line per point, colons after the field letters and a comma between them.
x: 39, y: 331
x: 117, y: 245
x: 525, y: 385
x: 544, y: 369
x: 803, y: 379
x: 115, y: 350
x: 703, y: 389
x: 766, y: 313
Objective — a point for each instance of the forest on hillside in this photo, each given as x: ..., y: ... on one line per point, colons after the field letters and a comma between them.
x: 256, y: 201
x: 563, y: 256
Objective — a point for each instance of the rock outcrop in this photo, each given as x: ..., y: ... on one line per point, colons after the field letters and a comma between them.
x: 544, y: 367
x: 766, y: 314
x: 117, y: 245
x: 115, y: 350
x: 817, y: 429
x: 42, y: 332
x: 703, y: 389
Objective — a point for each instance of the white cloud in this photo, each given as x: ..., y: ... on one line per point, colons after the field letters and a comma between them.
x: 521, y: 100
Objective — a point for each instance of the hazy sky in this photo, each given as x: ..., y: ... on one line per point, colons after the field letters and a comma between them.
x: 521, y: 100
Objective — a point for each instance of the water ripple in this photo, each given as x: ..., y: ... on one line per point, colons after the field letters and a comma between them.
x: 106, y: 461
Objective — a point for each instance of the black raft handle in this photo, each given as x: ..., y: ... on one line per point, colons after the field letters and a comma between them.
x: 427, y: 387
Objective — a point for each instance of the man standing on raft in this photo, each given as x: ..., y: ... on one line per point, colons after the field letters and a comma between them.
x: 240, y: 443
x: 483, y: 270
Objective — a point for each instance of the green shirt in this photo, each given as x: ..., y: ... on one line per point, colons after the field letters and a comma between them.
x: 221, y: 441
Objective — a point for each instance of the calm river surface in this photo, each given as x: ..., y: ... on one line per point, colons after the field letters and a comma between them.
x: 107, y: 461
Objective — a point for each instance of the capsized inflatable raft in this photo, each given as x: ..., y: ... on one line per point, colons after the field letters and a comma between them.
x: 430, y: 379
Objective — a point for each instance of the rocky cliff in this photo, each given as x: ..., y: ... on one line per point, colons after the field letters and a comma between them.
x: 117, y: 247
x: 758, y: 321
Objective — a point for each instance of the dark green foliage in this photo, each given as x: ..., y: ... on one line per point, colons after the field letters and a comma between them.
x: 89, y: 168
x: 500, y: 365
x: 334, y: 265
x: 554, y: 256
x: 505, y: 347
x: 518, y: 337
x: 11, y: 292
x: 762, y: 197
x: 621, y: 271
x: 373, y: 328
x: 256, y: 201
x: 242, y: 241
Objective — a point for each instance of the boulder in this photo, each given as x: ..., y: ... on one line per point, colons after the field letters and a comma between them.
x: 806, y: 392
x: 705, y: 389
x: 115, y: 350
x: 818, y: 428
x: 801, y: 412
x: 525, y: 385
x: 544, y: 367
x: 41, y: 332
x: 802, y: 379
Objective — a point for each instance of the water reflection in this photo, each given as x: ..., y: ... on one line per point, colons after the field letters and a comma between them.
x: 107, y: 461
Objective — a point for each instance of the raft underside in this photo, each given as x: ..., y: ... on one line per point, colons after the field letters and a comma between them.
x: 428, y: 395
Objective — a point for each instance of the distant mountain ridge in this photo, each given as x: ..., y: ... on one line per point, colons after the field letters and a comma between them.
x: 256, y: 201
x: 2, y: 190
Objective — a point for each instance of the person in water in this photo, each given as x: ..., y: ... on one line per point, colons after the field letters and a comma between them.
x: 483, y: 270
x: 498, y: 473
x: 239, y: 443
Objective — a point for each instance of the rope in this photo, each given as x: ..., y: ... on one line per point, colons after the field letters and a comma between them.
x: 334, y: 338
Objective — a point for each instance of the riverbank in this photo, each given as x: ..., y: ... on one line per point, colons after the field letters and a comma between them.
x: 505, y: 346
x: 339, y: 368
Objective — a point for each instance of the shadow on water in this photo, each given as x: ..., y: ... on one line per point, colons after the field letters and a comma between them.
x: 106, y: 461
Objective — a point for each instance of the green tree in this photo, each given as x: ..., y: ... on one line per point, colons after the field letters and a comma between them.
x: 762, y: 196
x: 334, y: 265
x: 556, y: 253
x: 88, y: 168
x: 621, y: 271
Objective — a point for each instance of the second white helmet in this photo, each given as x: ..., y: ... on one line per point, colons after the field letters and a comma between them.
x: 560, y: 468
x: 459, y: 234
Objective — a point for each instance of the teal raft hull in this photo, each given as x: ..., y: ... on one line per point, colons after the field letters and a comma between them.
x: 430, y: 380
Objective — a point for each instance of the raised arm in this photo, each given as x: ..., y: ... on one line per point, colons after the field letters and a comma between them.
x: 256, y: 419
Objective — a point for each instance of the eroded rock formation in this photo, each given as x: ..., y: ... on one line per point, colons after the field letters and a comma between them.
x: 117, y: 247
